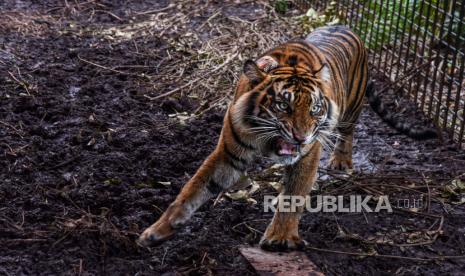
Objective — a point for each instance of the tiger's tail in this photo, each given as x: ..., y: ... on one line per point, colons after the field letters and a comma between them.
x: 397, y: 122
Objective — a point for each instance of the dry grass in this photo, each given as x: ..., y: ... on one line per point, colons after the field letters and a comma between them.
x: 203, y: 48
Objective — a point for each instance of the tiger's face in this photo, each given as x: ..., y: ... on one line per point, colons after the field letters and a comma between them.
x: 291, y: 109
x: 297, y: 114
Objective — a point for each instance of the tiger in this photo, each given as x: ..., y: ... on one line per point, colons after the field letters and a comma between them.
x: 292, y: 102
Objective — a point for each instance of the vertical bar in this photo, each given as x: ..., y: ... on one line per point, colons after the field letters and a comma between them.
x: 462, y: 129
x: 348, y: 12
x: 390, y: 28
x: 368, y: 15
x: 383, y: 36
x: 415, y: 47
x: 430, y: 52
x: 454, y: 62
x: 356, y: 22
x: 422, y: 58
x: 458, y: 97
x: 437, y: 113
x: 360, y: 17
x: 377, y: 31
x: 410, y: 32
x: 460, y: 80
x: 404, y: 25
x: 343, y: 13
x: 373, y: 23
x: 351, y: 18
x: 336, y: 8
x: 436, y: 63
x: 396, y: 32
x: 444, y: 66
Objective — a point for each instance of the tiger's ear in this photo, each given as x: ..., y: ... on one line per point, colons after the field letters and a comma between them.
x: 256, y: 71
x: 267, y: 63
x: 323, y: 73
x: 252, y: 72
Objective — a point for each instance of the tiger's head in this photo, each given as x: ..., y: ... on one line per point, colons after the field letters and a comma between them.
x: 288, y: 107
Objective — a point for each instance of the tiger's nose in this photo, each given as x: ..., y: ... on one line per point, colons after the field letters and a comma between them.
x: 298, y: 137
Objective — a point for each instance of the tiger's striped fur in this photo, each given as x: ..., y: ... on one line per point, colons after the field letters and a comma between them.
x: 288, y: 105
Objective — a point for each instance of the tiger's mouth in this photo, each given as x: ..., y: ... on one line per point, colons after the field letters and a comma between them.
x: 285, y: 148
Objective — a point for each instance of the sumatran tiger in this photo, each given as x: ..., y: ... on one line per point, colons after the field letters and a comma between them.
x: 290, y: 103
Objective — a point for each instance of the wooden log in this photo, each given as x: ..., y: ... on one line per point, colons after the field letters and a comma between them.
x: 293, y: 263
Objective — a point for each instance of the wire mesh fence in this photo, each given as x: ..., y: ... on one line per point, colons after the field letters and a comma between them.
x: 419, y: 45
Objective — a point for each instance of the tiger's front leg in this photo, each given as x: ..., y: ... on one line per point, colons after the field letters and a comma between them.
x: 283, y: 231
x: 217, y: 173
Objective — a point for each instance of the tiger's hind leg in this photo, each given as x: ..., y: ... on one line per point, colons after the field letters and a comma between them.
x: 341, y: 157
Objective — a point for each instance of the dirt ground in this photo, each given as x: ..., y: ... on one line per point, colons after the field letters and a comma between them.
x: 89, y: 156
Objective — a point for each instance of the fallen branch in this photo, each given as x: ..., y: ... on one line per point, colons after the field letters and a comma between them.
x: 156, y: 11
x: 17, y: 131
x: 111, y: 14
x: 20, y: 83
x: 110, y: 69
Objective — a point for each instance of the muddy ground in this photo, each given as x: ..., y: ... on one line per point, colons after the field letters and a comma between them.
x: 89, y: 157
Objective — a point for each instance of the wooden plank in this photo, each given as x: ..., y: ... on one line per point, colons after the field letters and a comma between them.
x: 293, y: 263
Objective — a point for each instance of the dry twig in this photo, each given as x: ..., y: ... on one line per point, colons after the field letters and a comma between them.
x: 231, y: 58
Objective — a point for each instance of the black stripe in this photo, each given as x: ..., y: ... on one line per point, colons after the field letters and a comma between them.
x: 310, y: 51
x: 337, y: 53
x: 251, y: 103
x: 336, y: 46
x: 309, y: 55
x: 349, y: 38
x: 352, y: 35
x: 262, y: 102
x: 233, y: 159
x: 235, y: 166
x: 277, y: 56
x: 233, y: 156
x: 292, y: 60
x: 329, y: 109
x: 236, y: 137
x: 341, y: 151
x: 270, y: 91
x: 295, y: 46
x: 359, y: 46
x: 342, y: 55
x: 214, y: 187
x: 361, y: 82
x: 301, y: 43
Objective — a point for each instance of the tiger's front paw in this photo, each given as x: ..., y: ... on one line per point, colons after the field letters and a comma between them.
x: 164, y: 228
x: 282, y: 243
x: 340, y: 163
x: 156, y: 233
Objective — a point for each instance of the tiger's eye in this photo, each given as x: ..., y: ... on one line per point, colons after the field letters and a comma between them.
x: 315, y: 109
x: 282, y: 106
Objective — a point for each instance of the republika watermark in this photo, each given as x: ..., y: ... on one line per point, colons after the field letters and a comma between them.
x: 326, y: 203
